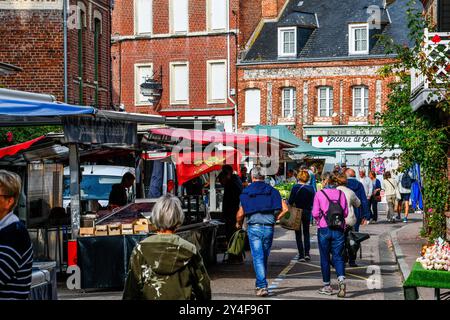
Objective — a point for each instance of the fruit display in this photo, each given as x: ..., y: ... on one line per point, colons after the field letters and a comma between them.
x: 436, y: 257
x: 284, y: 189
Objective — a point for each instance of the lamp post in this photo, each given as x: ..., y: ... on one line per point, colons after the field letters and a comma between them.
x: 152, y: 89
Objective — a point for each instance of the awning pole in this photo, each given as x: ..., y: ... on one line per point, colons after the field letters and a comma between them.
x: 212, y: 192
x: 74, y: 189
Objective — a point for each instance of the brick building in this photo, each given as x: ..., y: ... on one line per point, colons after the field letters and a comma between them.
x: 314, y: 68
x: 33, y: 39
x: 193, y: 42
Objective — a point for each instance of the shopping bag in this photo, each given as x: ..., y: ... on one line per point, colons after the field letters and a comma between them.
x: 292, y: 220
x: 354, y: 240
x: 237, y: 243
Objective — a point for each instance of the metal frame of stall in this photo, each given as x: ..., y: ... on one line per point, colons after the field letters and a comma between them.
x: 18, y: 108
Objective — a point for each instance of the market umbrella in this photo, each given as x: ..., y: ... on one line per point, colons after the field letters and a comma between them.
x: 282, y: 133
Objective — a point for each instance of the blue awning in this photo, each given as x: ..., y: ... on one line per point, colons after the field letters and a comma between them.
x: 31, y: 108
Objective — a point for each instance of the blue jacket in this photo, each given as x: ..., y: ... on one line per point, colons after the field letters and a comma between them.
x: 358, y: 189
x: 416, y: 196
x: 260, y: 197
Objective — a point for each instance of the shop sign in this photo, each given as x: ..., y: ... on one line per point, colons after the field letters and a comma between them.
x: 31, y: 4
x: 99, y: 131
x: 347, y: 142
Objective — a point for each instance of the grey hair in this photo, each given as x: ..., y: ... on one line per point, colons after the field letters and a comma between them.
x: 167, y: 213
x: 10, y: 185
x: 258, y: 173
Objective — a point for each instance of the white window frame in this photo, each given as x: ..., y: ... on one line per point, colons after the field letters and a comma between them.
x: 137, y: 84
x: 281, y: 52
x: 171, y: 18
x: 258, y: 120
x: 136, y: 20
x: 209, y: 81
x: 328, y: 98
x: 209, y: 13
x: 292, y: 102
x: 172, y: 83
x: 364, y: 98
x: 351, y: 38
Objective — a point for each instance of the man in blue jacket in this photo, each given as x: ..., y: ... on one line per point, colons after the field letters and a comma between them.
x: 263, y: 206
x: 358, y: 189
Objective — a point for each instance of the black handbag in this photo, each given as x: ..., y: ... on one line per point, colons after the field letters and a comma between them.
x: 354, y: 240
x: 358, y: 236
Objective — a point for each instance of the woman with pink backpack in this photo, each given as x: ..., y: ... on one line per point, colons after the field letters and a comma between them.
x: 330, y: 210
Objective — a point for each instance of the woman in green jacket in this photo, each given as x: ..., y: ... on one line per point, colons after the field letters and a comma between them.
x: 165, y: 266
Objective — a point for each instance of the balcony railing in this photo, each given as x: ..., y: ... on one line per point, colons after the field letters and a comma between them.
x: 425, y: 89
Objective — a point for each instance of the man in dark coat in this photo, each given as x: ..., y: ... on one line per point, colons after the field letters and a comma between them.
x: 232, y: 190
x: 358, y: 188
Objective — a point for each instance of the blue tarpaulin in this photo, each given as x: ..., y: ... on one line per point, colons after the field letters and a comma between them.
x: 30, y: 108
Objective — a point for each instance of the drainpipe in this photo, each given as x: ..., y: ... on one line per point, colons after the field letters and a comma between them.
x: 229, y: 68
x: 65, y: 50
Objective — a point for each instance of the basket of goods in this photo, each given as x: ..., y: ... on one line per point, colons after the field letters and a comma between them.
x: 436, y: 256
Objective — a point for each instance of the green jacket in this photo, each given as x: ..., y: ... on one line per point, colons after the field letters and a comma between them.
x: 166, y: 267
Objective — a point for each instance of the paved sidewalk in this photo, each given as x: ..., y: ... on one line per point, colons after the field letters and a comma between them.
x: 407, y: 245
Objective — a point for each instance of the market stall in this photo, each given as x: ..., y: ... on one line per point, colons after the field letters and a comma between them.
x: 431, y: 270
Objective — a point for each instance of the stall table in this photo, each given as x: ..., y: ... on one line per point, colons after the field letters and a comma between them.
x: 420, y: 277
x: 103, y: 260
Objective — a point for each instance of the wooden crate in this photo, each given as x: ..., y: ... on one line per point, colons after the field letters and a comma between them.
x: 101, y: 230
x: 114, y: 229
x: 87, y: 232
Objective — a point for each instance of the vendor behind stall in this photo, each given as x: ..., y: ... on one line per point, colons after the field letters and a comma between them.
x: 118, y: 196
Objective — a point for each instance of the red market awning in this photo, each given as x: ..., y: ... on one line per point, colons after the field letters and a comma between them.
x: 194, y: 164
x: 12, y: 150
x: 206, y: 136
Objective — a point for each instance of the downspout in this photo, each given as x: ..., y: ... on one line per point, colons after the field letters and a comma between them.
x: 229, y: 68
x: 65, y: 50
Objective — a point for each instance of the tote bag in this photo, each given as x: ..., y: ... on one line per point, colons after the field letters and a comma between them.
x: 292, y: 220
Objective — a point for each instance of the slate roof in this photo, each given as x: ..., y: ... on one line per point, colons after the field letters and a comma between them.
x: 329, y: 40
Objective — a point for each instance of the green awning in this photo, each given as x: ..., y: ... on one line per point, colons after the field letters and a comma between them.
x: 283, y: 133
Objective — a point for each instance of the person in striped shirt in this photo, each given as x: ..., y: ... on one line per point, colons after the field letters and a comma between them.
x: 16, y: 251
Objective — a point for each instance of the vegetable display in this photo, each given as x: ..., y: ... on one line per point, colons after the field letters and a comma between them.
x: 285, y: 189
x: 436, y: 257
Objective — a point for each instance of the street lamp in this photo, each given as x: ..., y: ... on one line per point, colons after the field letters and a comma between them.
x: 152, y: 89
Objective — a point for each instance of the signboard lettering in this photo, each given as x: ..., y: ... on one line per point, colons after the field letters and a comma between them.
x: 342, y: 141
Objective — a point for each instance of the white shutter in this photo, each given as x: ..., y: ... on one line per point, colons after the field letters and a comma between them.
x: 180, y: 83
x: 252, y: 106
x: 142, y: 73
x: 180, y: 15
x: 144, y: 16
x: 218, y: 14
x: 217, y: 82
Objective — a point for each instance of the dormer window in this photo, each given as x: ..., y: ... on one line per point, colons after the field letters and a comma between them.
x: 287, y: 42
x: 358, y: 38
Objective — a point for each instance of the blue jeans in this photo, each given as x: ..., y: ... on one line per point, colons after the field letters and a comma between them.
x: 260, y: 239
x: 304, y: 246
x: 331, y: 242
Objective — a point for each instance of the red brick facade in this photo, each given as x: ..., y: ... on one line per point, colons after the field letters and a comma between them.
x: 314, y: 79
x: 161, y: 48
x: 33, y: 40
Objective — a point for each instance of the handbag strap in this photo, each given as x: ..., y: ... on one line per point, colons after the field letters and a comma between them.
x: 296, y: 194
x: 390, y: 183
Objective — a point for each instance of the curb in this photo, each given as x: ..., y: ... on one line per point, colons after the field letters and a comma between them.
x: 398, y: 253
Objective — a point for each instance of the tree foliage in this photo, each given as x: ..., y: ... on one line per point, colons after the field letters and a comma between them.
x: 423, y: 135
x: 13, y: 135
